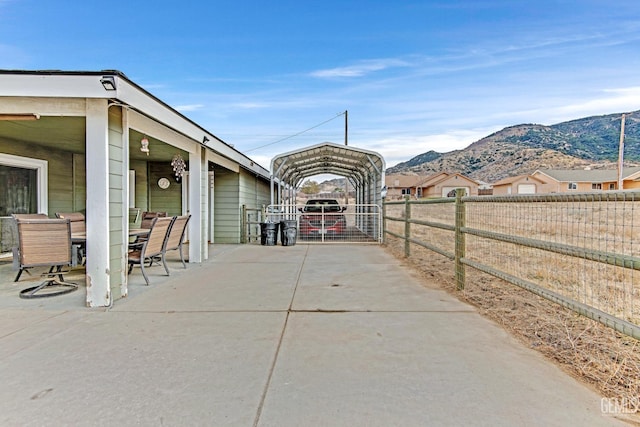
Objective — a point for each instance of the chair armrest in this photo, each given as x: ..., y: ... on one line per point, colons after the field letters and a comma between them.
x: 136, y: 245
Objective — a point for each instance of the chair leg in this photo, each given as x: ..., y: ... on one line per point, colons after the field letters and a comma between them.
x: 144, y: 273
x: 19, y: 273
x: 164, y: 262
x: 182, y: 258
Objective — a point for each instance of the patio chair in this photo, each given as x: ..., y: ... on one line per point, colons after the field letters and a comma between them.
x: 152, y: 247
x: 147, y: 218
x: 15, y: 233
x: 78, y: 224
x: 45, y: 243
x: 175, y: 239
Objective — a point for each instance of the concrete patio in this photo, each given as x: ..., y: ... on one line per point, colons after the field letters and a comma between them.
x: 331, y: 335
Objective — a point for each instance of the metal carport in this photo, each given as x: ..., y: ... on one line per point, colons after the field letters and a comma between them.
x: 363, y: 169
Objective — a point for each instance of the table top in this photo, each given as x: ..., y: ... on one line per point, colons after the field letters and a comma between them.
x: 133, y: 232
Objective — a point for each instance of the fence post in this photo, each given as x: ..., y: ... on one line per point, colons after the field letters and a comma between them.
x: 460, y: 239
x: 407, y: 227
x: 384, y: 222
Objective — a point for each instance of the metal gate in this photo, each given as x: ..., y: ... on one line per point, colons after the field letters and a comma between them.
x: 356, y: 223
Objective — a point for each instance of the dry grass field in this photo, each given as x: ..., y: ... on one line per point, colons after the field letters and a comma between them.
x: 588, y: 350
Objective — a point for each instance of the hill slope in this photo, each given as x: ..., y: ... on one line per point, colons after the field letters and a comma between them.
x: 521, y: 149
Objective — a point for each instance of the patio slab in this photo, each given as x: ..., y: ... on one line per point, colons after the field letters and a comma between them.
x: 261, y: 336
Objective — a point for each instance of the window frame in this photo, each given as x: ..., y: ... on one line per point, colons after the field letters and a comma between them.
x: 42, y: 174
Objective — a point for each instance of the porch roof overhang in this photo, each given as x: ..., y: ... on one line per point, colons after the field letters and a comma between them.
x: 47, y: 85
x: 356, y: 164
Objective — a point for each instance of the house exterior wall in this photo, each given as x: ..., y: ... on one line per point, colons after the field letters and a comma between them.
x: 253, y: 192
x: 451, y: 181
x: 62, y: 168
x: 141, y: 184
x: 65, y: 171
x: 168, y: 200
x: 227, y: 206
x: 503, y: 189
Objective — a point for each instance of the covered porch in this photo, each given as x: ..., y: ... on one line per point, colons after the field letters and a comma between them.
x: 98, y: 144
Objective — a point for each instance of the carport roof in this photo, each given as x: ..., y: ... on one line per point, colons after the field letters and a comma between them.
x: 327, y: 157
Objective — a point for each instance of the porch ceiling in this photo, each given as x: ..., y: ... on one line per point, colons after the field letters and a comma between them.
x: 354, y: 163
x: 68, y: 133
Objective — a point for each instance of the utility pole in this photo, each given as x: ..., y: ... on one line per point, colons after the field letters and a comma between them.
x: 346, y: 127
x: 621, y: 155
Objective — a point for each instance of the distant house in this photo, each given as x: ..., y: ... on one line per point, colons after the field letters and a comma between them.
x: 562, y: 181
x: 438, y: 185
x: 521, y: 184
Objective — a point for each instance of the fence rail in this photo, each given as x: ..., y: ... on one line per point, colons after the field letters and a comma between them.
x: 581, y: 251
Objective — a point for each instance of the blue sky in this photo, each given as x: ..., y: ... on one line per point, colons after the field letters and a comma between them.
x: 414, y: 75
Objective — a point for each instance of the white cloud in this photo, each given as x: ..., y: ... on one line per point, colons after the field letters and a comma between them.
x: 361, y: 68
x: 400, y: 149
x: 190, y: 107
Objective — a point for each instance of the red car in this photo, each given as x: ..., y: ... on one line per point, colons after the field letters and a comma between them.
x: 322, y: 217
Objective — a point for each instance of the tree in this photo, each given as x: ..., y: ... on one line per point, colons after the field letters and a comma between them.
x: 310, y: 187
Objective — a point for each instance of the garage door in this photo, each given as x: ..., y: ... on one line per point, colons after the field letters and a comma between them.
x: 451, y: 190
x: 526, y: 189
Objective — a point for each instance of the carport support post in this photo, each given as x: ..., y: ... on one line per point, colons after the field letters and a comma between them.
x: 407, y: 227
x: 460, y: 239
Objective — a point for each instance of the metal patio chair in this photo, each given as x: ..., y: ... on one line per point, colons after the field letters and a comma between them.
x: 152, y: 247
x: 175, y: 239
x: 45, y: 243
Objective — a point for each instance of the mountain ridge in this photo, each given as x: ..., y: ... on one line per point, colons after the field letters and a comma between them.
x: 521, y: 149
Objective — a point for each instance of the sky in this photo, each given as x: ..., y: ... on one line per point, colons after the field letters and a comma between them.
x: 274, y: 76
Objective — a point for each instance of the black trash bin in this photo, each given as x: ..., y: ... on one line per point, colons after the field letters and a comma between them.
x: 288, y: 232
x: 269, y: 233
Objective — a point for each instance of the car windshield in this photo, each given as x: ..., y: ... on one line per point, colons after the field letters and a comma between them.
x: 318, y: 205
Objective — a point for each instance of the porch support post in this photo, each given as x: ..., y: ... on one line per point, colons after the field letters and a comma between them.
x: 97, y: 219
x: 197, y: 205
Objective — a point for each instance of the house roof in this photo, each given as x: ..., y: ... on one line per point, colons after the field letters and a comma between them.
x: 403, y: 181
x: 51, y: 84
x: 593, y: 175
x: 443, y: 176
x: 512, y: 179
x: 406, y: 181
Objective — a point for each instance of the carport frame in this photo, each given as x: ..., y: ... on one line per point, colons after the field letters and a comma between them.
x: 363, y: 168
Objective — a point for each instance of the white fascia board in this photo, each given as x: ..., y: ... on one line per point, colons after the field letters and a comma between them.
x: 53, y: 85
x: 43, y: 106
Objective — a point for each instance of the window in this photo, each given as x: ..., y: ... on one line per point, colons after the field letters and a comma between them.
x: 406, y: 191
x: 23, y: 185
x: 612, y: 186
x: 573, y: 186
x: 596, y: 186
x: 419, y: 192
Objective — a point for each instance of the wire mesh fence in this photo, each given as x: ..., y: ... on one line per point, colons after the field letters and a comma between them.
x: 578, y: 250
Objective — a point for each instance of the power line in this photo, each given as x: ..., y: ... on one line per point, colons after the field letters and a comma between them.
x: 299, y: 133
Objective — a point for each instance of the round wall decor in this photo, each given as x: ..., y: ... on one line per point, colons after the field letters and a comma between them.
x: 164, y: 183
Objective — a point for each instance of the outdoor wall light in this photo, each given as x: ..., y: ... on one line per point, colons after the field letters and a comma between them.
x: 108, y: 82
x: 144, y: 145
x: 205, y: 139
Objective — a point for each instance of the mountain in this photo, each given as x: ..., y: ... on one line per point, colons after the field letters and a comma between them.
x: 515, y: 150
